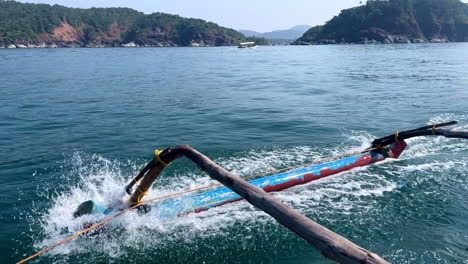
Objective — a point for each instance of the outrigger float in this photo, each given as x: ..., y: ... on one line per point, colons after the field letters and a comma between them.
x: 175, y: 206
x: 256, y: 191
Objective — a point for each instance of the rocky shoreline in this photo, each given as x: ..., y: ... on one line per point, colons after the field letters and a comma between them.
x: 25, y: 45
x: 377, y: 37
x: 162, y: 45
x: 364, y: 42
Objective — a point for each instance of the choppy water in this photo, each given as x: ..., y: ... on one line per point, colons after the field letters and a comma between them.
x: 77, y: 124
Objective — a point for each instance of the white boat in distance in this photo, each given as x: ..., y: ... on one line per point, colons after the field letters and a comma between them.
x: 244, y: 45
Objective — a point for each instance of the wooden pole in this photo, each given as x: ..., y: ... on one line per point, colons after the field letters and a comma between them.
x: 417, y: 133
x: 332, y: 245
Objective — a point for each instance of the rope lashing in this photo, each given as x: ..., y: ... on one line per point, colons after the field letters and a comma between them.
x: 433, y: 129
x: 142, y: 173
x: 158, y: 152
x: 143, y: 193
x: 396, y: 136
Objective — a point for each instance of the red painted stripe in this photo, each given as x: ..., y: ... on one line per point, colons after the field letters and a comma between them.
x: 308, y: 177
x: 365, y: 160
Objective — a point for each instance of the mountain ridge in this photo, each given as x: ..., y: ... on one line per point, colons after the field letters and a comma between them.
x: 287, y: 34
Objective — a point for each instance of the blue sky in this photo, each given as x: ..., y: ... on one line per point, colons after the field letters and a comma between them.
x: 259, y: 15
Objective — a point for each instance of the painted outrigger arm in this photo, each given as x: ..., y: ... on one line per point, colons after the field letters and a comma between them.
x: 387, y: 147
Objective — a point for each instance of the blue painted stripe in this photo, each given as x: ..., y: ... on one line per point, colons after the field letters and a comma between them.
x: 178, y: 206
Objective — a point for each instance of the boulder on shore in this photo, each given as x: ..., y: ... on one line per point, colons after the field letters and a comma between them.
x: 439, y: 40
x: 200, y: 43
x: 11, y: 46
x: 129, y: 45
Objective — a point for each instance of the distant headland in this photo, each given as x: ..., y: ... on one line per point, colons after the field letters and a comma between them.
x: 394, y: 21
x: 26, y: 25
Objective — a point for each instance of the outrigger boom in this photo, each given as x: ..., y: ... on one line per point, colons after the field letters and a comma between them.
x: 387, y: 147
x: 332, y: 245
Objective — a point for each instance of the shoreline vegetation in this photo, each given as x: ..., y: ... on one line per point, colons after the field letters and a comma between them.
x: 24, y: 25
x: 394, y: 21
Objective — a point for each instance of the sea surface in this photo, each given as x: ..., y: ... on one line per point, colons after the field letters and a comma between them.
x: 78, y: 124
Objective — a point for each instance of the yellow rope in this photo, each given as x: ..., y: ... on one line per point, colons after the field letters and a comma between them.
x: 396, y: 136
x: 79, y: 233
x: 158, y: 157
x: 138, y: 185
x: 179, y: 193
x: 142, y: 193
x: 158, y: 153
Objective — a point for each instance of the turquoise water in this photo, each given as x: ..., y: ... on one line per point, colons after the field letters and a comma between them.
x: 77, y: 124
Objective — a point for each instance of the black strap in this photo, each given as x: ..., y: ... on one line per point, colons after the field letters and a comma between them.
x: 140, y: 175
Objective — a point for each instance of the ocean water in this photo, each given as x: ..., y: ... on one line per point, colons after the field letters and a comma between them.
x: 78, y: 124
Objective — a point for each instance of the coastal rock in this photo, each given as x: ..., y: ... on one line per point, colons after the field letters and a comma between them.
x: 327, y: 41
x: 375, y: 34
x: 418, y: 40
x: 301, y: 43
x: 402, y: 40
x: 200, y: 43
x: 439, y: 40
x: 11, y: 46
x: 392, y: 21
x: 21, y: 46
x: 52, y: 46
x: 156, y: 43
x: 2, y: 47
x: 91, y: 45
x: 389, y: 39
x: 129, y: 45
x: 369, y: 41
x: 69, y: 45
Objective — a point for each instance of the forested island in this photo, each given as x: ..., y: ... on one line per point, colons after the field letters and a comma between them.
x: 378, y: 21
x: 394, y: 21
x: 41, y: 25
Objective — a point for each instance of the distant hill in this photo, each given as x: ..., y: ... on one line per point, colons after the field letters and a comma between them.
x: 44, y: 25
x: 288, y: 34
x: 303, y: 28
x: 250, y: 33
x: 394, y: 21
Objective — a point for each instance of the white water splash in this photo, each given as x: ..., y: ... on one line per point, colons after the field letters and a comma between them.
x: 352, y: 192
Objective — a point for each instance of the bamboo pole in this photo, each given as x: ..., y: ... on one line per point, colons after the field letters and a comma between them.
x: 418, y: 132
x: 332, y: 245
